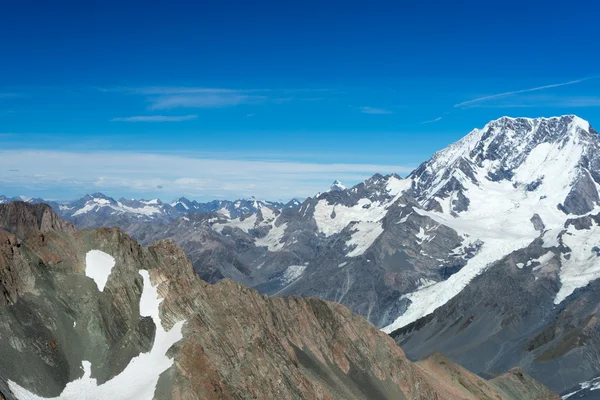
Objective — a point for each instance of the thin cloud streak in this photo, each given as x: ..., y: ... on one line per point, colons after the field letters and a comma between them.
x: 431, y: 121
x: 170, y: 97
x: 208, y: 100
x: 546, y: 102
x: 374, y: 110
x: 156, y: 118
x: 495, y: 96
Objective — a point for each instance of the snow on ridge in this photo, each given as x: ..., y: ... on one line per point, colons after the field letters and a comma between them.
x: 139, y: 378
x: 366, y: 215
x: 337, y: 186
x: 244, y: 224
x: 224, y: 211
x: 98, y: 266
x: 365, y: 235
x: 273, y: 239
x: 96, y: 204
x: 150, y: 202
x: 396, y: 186
x: 583, y: 264
x: 590, y: 385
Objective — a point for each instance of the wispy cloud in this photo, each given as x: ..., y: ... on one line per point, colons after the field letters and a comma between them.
x: 171, y: 97
x: 505, y: 94
x: 156, y: 118
x: 204, y: 100
x: 374, y: 110
x: 432, y: 120
x: 127, y: 172
x: 181, y: 90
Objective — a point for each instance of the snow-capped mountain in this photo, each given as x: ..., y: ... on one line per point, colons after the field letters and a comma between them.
x: 337, y: 186
x: 556, y: 157
x: 505, y: 185
x: 528, y: 191
x: 232, y: 209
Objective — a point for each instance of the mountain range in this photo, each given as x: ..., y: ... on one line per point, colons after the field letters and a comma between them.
x: 90, y: 314
x: 488, y: 252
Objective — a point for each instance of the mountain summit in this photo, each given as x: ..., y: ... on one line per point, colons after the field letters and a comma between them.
x: 337, y: 186
x: 556, y: 157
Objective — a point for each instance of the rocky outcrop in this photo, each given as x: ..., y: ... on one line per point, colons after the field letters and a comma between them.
x: 21, y: 218
x: 235, y: 343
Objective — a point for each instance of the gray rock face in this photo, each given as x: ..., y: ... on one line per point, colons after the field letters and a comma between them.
x: 537, y: 222
x: 583, y: 196
x: 20, y: 218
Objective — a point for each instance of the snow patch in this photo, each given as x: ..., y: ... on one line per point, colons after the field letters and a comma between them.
x: 98, y: 266
x: 292, y: 273
x: 224, y: 211
x: 363, y: 237
x: 583, y: 265
x: 273, y: 240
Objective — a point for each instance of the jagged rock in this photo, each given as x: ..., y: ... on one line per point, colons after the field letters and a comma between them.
x: 21, y: 218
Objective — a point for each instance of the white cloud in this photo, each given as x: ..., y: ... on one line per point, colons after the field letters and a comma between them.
x: 373, y: 110
x: 156, y: 118
x: 504, y: 94
x: 432, y: 120
x: 125, y: 172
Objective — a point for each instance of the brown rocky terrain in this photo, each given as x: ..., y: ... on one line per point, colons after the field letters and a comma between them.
x: 236, y: 343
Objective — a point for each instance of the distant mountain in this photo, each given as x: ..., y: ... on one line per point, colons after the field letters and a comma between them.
x: 231, y: 209
x: 97, y: 209
x: 337, y: 186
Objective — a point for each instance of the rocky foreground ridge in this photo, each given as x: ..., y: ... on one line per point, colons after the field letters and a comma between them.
x: 70, y: 332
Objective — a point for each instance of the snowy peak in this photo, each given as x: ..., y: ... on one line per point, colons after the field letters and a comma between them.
x: 525, y: 151
x: 337, y: 186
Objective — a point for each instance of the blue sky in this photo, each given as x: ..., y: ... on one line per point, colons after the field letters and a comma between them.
x: 273, y: 99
